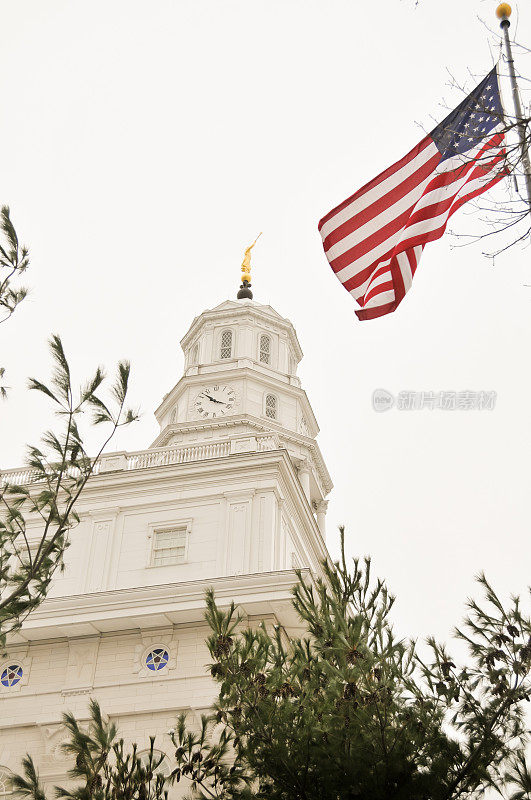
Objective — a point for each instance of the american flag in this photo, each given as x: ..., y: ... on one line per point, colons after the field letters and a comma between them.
x: 375, y: 238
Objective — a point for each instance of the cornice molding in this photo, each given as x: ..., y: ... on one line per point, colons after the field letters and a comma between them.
x: 256, y: 423
x: 118, y: 606
x: 269, y: 379
x: 236, y: 464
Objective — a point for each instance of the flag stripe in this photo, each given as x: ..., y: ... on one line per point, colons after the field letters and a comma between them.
x: 396, y: 217
x: 424, y: 234
x: 374, y: 240
x: 407, y: 189
x: 409, y: 163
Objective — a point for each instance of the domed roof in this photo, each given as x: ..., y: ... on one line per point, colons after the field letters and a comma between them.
x: 236, y: 304
x: 242, y: 308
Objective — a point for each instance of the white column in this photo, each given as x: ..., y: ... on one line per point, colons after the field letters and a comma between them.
x: 304, y: 478
x: 321, y: 516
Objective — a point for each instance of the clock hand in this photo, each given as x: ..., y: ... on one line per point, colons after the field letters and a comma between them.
x: 214, y: 399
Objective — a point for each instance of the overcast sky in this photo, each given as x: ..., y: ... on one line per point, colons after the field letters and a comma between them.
x: 145, y: 145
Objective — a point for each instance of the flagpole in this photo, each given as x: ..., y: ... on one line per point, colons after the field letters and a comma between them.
x: 503, y: 12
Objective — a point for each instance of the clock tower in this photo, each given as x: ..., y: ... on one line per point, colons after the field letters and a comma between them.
x: 240, y: 383
x: 230, y: 495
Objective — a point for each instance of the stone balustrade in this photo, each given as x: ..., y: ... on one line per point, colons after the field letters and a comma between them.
x: 160, y: 457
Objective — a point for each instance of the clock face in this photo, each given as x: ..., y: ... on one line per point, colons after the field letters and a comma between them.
x: 215, y: 401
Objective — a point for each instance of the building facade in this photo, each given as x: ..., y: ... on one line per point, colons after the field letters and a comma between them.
x: 231, y: 494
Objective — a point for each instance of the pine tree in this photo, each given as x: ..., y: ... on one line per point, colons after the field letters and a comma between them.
x: 14, y: 261
x: 346, y: 712
x: 349, y: 711
x: 60, y: 468
x: 103, y: 769
x: 518, y: 778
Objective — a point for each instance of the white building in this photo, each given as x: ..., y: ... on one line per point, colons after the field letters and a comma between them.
x: 231, y: 494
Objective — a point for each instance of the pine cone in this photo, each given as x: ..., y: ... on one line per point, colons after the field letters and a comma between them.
x: 525, y: 652
x: 350, y: 691
x: 446, y: 666
x: 287, y: 690
x: 353, y: 655
x: 501, y: 639
x: 223, y: 646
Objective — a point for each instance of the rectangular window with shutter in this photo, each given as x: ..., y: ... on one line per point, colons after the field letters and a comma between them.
x: 169, y: 546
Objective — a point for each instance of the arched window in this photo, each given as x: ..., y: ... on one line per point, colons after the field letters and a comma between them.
x: 271, y: 406
x: 226, y: 345
x: 265, y: 349
x: 194, y: 355
x: 172, y: 417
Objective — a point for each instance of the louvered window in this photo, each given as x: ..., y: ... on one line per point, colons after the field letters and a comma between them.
x: 226, y: 344
x: 271, y: 406
x: 169, y: 547
x: 265, y: 349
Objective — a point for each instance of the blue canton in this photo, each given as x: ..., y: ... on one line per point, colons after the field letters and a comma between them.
x: 472, y: 120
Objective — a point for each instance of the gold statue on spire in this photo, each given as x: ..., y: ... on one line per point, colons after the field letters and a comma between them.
x: 246, y: 263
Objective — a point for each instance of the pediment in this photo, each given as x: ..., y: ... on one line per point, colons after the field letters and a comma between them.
x: 237, y: 305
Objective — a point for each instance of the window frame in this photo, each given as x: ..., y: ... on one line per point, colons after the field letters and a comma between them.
x: 182, y: 525
x: 221, y: 348
x: 164, y: 667
x: 269, y: 352
x: 271, y: 394
x: 194, y: 355
x: 7, y: 665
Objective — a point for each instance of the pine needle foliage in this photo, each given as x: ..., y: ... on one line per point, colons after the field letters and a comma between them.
x: 103, y: 767
x: 60, y: 468
x: 349, y: 711
x: 518, y: 778
x: 14, y: 261
x: 345, y: 712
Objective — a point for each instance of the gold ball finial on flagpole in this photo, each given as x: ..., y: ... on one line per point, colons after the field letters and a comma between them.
x: 503, y: 11
x: 245, y: 290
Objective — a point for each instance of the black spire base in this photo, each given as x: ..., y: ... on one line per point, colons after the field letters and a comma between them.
x: 245, y: 292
